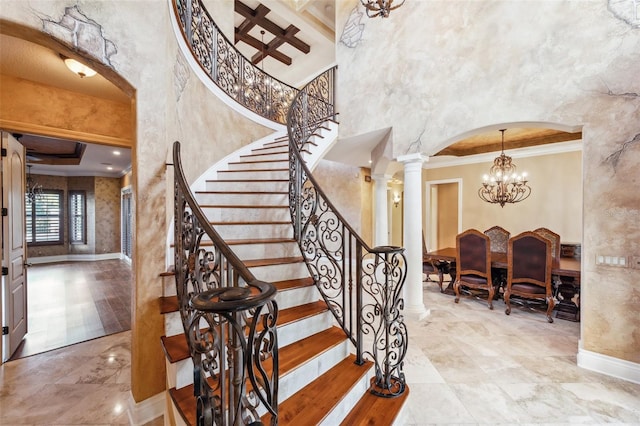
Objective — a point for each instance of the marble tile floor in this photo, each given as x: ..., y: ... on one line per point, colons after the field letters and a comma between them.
x: 71, y: 302
x: 466, y: 365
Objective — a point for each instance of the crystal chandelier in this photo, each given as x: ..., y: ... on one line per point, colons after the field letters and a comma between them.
x: 33, y: 189
x: 380, y: 8
x: 503, y: 185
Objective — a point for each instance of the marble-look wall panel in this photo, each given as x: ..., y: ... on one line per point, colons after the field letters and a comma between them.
x: 107, y: 215
x: 452, y: 68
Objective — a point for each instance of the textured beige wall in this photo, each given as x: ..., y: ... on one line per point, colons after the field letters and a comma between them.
x: 453, y: 68
x: 447, y: 214
x: 342, y: 185
x: 65, y: 114
x: 555, y: 201
x: 103, y: 215
x: 107, y: 215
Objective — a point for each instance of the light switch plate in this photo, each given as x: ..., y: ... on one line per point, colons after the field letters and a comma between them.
x: 635, y: 262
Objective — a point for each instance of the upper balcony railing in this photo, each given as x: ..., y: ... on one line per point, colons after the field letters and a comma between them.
x: 233, y: 73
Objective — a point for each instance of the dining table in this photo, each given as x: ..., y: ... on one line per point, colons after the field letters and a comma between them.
x: 566, y: 269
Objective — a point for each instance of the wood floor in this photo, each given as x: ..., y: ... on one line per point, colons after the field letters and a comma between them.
x: 73, y: 302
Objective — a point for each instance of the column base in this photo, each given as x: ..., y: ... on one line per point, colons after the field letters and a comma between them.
x: 416, y: 312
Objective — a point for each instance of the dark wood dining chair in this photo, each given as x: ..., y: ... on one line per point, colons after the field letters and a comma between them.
x: 431, y: 266
x: 555, y: 242
x: 499, y: 238
x: 473, y: 260
x: 529, y: 263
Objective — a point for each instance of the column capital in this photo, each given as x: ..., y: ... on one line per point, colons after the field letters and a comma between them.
x: 412, y: 158
x: 381, y: 177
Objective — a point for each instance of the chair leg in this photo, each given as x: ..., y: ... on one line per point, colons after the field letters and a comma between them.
x: 550, y: 305
x: 490, y: 299
x: 456, y: 289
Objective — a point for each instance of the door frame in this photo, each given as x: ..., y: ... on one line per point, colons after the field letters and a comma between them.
x: 431, y: 223
x: 7, y: 305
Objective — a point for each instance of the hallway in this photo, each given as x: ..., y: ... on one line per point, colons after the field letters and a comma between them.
x: 72, y: 302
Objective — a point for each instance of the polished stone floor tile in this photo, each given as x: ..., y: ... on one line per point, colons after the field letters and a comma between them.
x: 71, y: 302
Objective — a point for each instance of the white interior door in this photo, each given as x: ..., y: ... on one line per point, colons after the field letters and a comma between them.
x: 14, y: 277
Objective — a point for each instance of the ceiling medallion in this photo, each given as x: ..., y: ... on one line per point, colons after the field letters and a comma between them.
x: 503, y: 185
x: 380, y: 8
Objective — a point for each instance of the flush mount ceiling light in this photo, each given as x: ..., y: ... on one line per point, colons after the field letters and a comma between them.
x: 380, y: 8
x: 76, y: 67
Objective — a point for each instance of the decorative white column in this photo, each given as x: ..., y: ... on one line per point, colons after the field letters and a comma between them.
x: 414, y: 307
x: 381, y: 235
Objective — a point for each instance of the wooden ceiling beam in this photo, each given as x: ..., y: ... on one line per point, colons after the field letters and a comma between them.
x: 260, y: 47
x: 258, y: 18
x: 522, y: 142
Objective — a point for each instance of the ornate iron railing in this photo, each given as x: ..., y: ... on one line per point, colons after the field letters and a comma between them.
x: 228, y: 316
x: 233, y: 73
x: 362, y: 286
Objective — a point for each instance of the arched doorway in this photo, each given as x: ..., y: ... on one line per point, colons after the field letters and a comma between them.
x: 75, y: 109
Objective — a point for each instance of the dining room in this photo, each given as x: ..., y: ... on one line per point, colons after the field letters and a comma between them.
x: 454, y: 179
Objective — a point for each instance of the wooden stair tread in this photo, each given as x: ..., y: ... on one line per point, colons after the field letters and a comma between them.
x: 307, y: 408
x: 169, y: 304
x: 290, y: 357
x: 373, y: 410
x: 294, y: 283
x: 253, y: 263
x: 176, y: 348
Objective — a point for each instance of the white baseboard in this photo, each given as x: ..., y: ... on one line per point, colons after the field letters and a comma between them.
x: 609, y: 365
x: 144, y: 411
x: 74, y: 258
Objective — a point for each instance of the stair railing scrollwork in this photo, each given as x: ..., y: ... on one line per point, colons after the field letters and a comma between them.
x: 233, y: 73
x: 228, y: 316
x: 362, y: 286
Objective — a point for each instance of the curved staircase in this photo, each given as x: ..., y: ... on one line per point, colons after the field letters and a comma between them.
x: 248, y: 204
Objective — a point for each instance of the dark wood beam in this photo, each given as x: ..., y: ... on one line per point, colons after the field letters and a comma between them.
x: 260, y: 47
x: 257, y: 17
